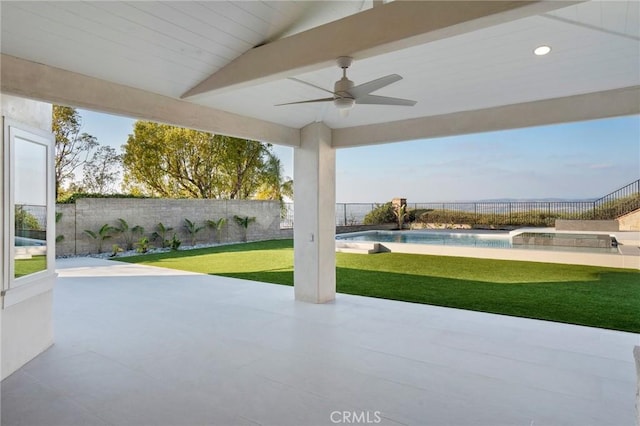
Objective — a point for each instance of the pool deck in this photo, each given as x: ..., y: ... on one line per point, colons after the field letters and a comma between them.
x: 141, y: 346
x: 627, y: 258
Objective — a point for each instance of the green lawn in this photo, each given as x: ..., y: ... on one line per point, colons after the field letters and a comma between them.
x: 29, y: 266
x: 586, y: 295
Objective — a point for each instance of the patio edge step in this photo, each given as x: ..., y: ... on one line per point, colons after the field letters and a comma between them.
x: 359, y: 248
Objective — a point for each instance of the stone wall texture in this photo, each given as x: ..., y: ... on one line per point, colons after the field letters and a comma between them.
x: 587, y: 225
x: 92, y: 213
x: 630, y: 221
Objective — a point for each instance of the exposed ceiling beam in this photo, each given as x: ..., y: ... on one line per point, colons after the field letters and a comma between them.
x: 382, y: 29
x: 590, y: 106
x: 42, y: 82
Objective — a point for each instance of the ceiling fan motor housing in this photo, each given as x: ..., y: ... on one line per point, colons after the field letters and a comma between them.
x: 342, y: 87
x: 343, y: 100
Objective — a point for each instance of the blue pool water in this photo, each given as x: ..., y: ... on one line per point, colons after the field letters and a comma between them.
x: 493, y: 240
x: 24, y: 242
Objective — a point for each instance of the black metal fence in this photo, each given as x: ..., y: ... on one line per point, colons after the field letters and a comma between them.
x: 522, y: 213
x: 619, y: 202
x: 346, y: 214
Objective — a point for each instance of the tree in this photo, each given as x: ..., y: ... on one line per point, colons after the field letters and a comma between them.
x: 72, y: 147
x: 101, y: 172
x: 275, y: 186
x: 174, y: 162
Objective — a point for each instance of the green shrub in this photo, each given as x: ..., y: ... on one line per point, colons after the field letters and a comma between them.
x: 101, y: 235
x: 161, y: 233
x: 244, y: 222
x: 128, y: 234
x: 217, y: 225
x: 192, y: 230
x: 71, y: 199
x: 115, y: 249
x: 175, y: 243
x: 142, y: 246
x: 615, y: 208
x: 59, y: 238
x: 382, y: 213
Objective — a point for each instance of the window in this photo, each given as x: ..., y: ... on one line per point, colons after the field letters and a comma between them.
x: 28, y: 197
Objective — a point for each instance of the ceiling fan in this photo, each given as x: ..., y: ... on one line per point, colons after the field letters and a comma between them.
x: 345, y: 94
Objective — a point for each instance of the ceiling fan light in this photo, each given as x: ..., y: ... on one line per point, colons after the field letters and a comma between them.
x: 541, y: 50
x: 344, y: 103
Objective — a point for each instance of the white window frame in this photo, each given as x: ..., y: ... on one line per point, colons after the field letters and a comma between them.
x: 14, y: 289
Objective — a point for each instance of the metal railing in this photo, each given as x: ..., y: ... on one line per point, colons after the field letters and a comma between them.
x: 523, y: 213
x: 619, y: 202
x: 286, y: 216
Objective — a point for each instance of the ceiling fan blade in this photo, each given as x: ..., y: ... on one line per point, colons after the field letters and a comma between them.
x: 308, y: 102
x: 311, y: 84
x: 383, y: 100
x: 373, y: 85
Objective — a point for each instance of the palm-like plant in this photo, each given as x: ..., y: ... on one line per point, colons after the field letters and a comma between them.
x: 275, y: 185
x: 101, y: 236
x: 142, y: 245
x: 128, y: 234
x: 59, y: 238
x: 244, y: 222
x: 192, y: 230
x: 217, y: 226
x: 161, y: 234
x: 401, y: 213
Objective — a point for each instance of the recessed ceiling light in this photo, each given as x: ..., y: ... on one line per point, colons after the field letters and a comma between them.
x: 541, y: 50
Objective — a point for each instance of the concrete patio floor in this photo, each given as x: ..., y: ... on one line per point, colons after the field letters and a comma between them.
x: 138, y: 345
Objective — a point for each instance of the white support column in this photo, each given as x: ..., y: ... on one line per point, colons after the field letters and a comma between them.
x: 314, y: 209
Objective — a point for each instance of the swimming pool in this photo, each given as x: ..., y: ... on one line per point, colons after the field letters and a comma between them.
x: 485, y: 239
x: 460, y: 238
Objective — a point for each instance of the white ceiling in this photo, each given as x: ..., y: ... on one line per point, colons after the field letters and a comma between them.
x: 168, y: 47
x: 483, y: 69
x: 162, y: 47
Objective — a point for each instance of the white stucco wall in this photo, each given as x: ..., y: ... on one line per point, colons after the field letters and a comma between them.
x: 26, y: 325
x: 27, y: 330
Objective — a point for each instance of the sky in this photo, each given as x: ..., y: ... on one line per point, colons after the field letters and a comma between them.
x: 581, y: 160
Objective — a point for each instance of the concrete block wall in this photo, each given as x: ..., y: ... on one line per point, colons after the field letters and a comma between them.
x: 587, y: 225
x: 92, y: 213
x: 630, y: 221
x: 66, y: 226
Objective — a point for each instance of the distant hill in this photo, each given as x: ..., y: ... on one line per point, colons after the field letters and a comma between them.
x: 541, y: 200
x: 520, y: 200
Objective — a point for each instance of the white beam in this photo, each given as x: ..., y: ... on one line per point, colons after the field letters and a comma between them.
x: 590, y: 106
x: 382, y: 29
x: 41, y: 82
